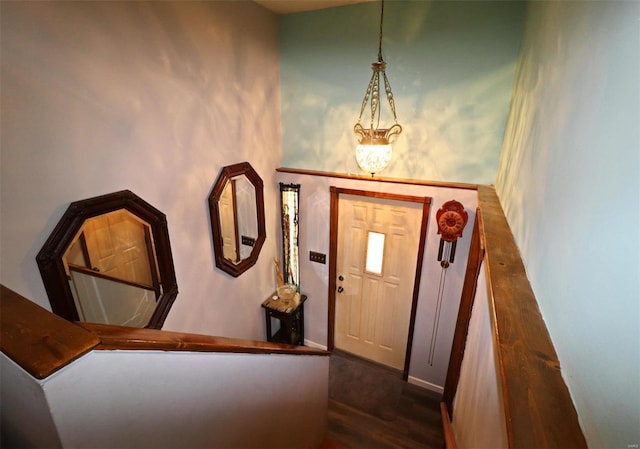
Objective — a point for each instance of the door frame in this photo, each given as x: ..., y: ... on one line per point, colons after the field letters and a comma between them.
x: 333, y: 254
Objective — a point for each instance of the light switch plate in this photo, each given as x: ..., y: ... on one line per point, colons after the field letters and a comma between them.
x: 317, y: 257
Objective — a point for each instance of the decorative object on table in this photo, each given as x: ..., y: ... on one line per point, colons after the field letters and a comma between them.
x: 279, y: 277
x: 373, y: 152
x: 286, y: 291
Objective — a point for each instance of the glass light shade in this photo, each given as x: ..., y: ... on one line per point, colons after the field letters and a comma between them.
x: 373, y: 158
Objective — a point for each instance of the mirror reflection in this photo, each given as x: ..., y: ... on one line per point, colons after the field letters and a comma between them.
x: 109, y: 261
x: 236, y: 206
x: 238, y: 219
x: 112, y: 270
x: 289, y: 216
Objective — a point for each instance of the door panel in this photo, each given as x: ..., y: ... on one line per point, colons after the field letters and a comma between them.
x: 373, y: 310
x: 117, y: 247
x: 228, y: 223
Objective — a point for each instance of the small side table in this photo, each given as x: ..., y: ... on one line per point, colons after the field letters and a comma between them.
x: 291, y: 316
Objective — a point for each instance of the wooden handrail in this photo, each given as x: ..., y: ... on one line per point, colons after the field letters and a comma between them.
x: 449, y: 437
x: 42, y: 342
x: 130, y: 338
x: 539, y: 410
x: 36, y: 339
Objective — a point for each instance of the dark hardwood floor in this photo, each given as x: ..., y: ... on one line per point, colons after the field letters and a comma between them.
x: 371, y: 407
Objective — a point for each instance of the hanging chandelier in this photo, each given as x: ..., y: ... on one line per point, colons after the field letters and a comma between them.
x: 373, y: 152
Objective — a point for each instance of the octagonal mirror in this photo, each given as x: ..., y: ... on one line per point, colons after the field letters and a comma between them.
x: 109, y: 261
x: 236, y: 206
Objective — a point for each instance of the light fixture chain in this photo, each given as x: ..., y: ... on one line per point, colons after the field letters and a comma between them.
x: 392, y: 103
x: 366, y: 96
x: 375, y: 95
x: 380, y: 39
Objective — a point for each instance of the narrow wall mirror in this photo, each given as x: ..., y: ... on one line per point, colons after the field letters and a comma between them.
x: 289, y: 205
x: 109, y: 261
x: 236, y: 205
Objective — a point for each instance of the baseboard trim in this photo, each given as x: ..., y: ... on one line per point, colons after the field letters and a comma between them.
x: 425, y: 384
x: 313, y: 344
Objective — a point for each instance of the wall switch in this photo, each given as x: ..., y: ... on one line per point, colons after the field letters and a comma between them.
x: 248, y: 241
x: 317, y: 257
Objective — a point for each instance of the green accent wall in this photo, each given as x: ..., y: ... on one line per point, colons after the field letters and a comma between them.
x: 450, y: 65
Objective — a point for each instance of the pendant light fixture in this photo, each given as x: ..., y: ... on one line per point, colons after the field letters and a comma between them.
x: 373, y: 152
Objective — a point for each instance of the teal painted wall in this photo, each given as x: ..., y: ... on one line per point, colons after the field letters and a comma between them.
x: 569, y: 181
x: 451, y: 68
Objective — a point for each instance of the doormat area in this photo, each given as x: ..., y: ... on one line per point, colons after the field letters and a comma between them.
x: 365, y: 385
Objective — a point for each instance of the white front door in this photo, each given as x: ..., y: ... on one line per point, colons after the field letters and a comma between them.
x: 377, y: 253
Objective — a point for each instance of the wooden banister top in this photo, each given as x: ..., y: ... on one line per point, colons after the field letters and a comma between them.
x: 36, y: 339
x: 119, y: 337
x: 42, y: 342
x: 539, y: 410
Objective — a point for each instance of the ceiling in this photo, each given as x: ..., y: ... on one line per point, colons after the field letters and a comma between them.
x: 291, y: 6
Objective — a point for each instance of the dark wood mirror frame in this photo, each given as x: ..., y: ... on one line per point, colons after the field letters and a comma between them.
x: 225, y: 175
x: 50, y: 257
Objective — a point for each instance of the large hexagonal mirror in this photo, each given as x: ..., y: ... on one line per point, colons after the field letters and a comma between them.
x: 109, y: 261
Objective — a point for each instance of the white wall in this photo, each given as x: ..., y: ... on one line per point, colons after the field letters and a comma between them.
x: 569, y: 181
x: 314, y: 277
x: 25, y: 417
x: 154, y: 97
x: 479, y: 419
x: 157, y: 399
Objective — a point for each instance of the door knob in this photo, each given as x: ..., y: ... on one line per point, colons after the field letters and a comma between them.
x: 340, y: 289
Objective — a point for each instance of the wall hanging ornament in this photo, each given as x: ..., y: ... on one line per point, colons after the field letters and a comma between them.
x: 451, y: 219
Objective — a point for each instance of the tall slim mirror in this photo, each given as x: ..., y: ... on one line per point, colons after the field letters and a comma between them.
x: 289, y: 204
x: 109, y: 261
x: 236, y: 207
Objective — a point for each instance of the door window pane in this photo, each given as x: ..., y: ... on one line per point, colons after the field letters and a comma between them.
x: 375, y: 252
